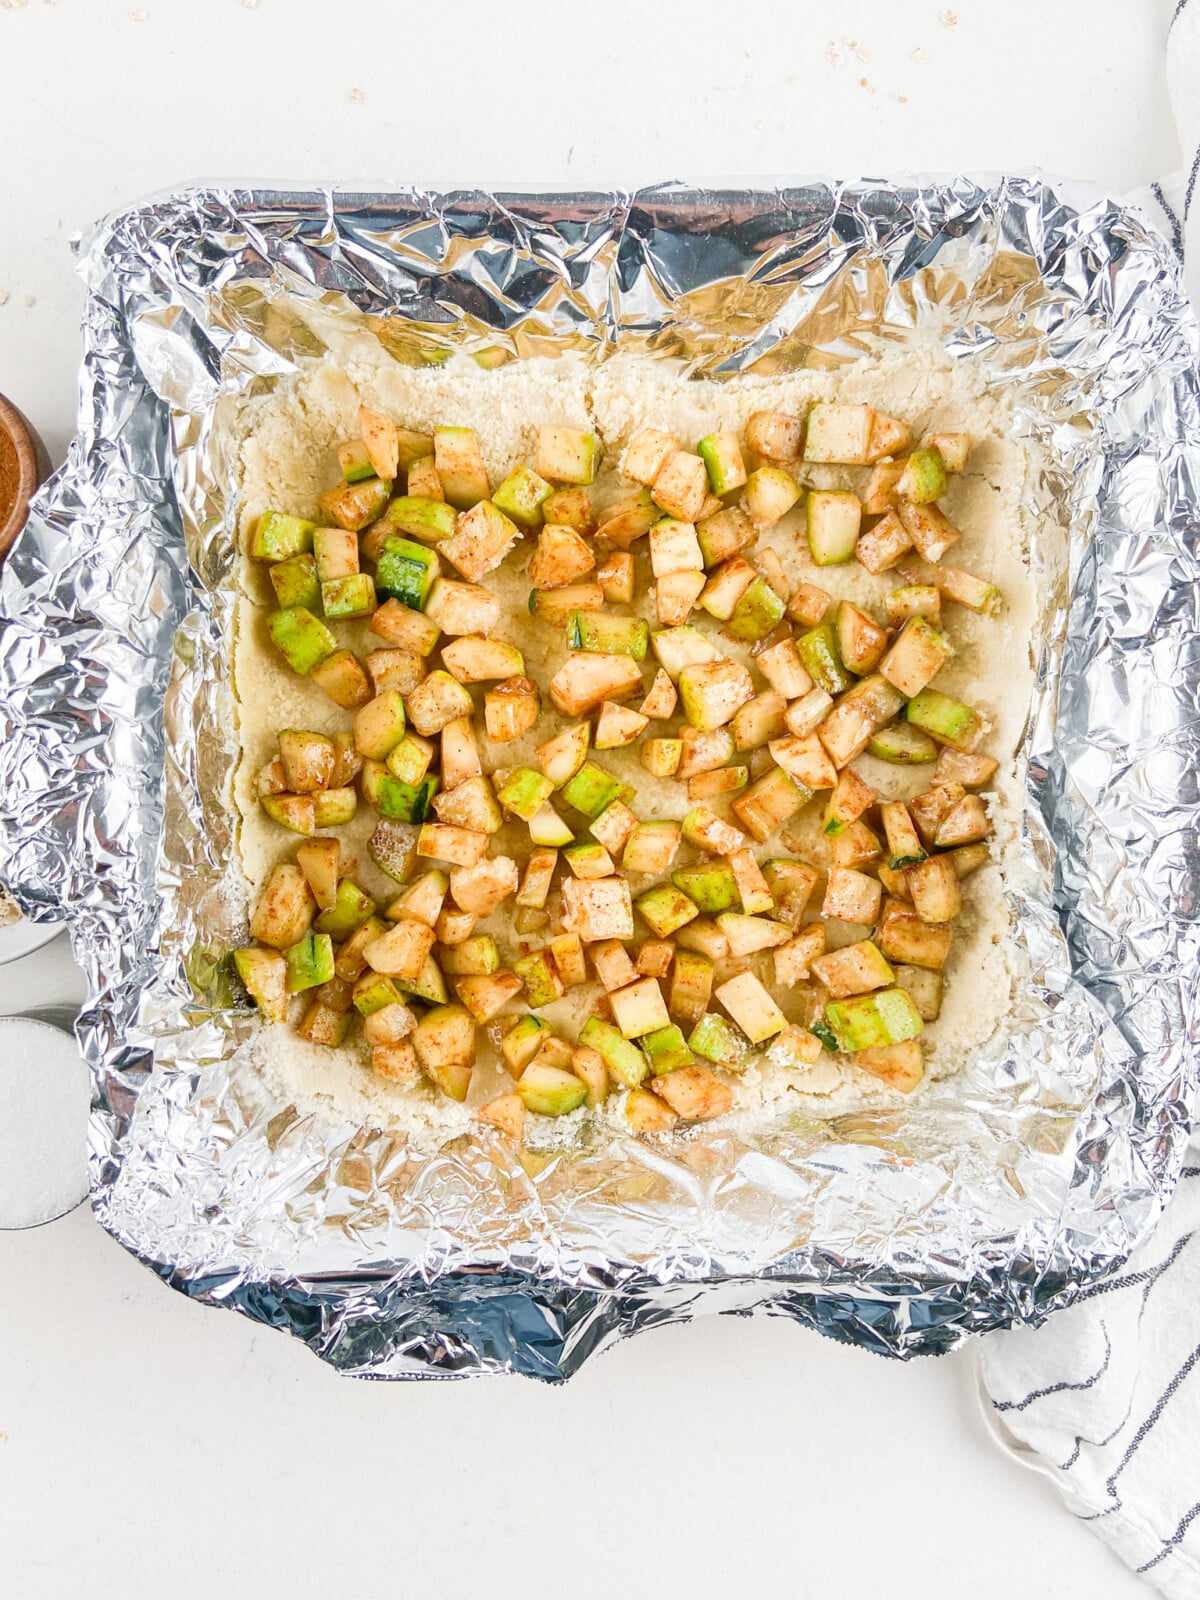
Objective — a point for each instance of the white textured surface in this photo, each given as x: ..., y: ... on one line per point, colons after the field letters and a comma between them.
x: 730, y: 1456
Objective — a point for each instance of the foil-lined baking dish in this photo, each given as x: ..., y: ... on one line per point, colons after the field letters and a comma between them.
x: 997, y: 1193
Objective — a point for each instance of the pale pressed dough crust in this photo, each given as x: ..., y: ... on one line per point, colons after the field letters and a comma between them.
x: 288, y: 438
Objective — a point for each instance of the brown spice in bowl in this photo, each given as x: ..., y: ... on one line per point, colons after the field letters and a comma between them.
x: 23, y: 466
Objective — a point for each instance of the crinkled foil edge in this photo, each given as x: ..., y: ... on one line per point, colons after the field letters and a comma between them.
x: 113, y: 610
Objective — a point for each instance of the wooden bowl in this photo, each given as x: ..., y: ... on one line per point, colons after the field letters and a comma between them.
x: 23, y: 462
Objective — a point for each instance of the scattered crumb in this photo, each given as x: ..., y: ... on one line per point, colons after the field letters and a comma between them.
x: 949, y: 19
x: 138, y: 16
x: 834, y: 53
x: 250, y: 5
x: 3, y: 297
x: 28, y: 300
x: 919, y: 55
x: 865, y: 83
x: 11, y: 5
x: 357, y: 96
x: 902, y: 99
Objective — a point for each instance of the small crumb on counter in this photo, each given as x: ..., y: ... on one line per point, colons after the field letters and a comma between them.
x: 28, y: 300
x: 948, y: 18
x: 12, y: 5
x: 138, y: 16
x: 3, y: 297
x: 919, y: 55
x: 357, y: 96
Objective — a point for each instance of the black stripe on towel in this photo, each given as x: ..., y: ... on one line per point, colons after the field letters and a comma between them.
x: 1180, y: 8
x: 1191, y: 184
x: 1060, y: 1388
x: 1147, y: 1275
x: 1143, y: 1433
x: 1176, y: 1538
x: 1177, y: 245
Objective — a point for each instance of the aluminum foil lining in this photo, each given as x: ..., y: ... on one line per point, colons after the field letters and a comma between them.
x: 994, y: 1196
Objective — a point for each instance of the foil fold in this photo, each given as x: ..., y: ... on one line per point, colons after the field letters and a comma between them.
x: 997, y: 1194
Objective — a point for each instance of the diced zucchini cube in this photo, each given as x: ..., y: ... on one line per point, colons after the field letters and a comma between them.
x: 567, y: 953
x: 712, y: 691
x: 923, y: 478
x: 423, y: 517
x: 511, y: 709
x: 589, y: 861
x: 353, y: 505
x: 791, y: 884
x: 302, y: 639
x: 522, y: 1042
x: 667, y: 1050
x: 717, y: 1040
x: 771, y: 492
x: 549, y: 1091
x: 485, y: 994
x: 757, y: 612
x: 647, y: 1113
x: 674, y: 548
x: 570, y: 508
x: 694, y: 1093
x: 560, y: 758
x: 567, y: 455
x: 335, y: 551
x: 711, y: 886
x: 946, y: 720
x: 613, y: 826
x: 900, y: 1065
x: 868, y: 1021
x: 834, y: 520
x: 264, y: 973
x: 691, y: 983
x: 793, y: 960
x: 522, y: 496
x: 278, y: 537
x: 924, y: 989
x: 902, y: 744
x: 722, y: 456
x: 591, y: 789
x: 881, y: 547
x: 623, y: 1059
x: 916, y: 657
x: 344, y: 599
x: 460, y: 608
x: 296, y: 583
x: 524, y: 792
x: 818, y: 651
x: 406, y: 572
x: 309, y: 962
x: 595, y: 631
x: 666, y: 909
x: 660, y: 757
x: 888, y: 436
x: 852, y: 896
x: 379, y: 725
x: 354, y: 461
x: 861, y: 641
x: 767, y: 804
x: 707, y: 831
x: 542, y: 983
x: 483, y: 538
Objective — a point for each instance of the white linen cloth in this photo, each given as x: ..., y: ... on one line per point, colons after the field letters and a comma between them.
x: 1105, y: 1399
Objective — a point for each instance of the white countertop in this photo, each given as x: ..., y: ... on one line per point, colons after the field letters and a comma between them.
x: 148, y: 1447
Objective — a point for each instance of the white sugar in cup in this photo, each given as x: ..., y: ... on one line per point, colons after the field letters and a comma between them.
x: 44, y: 1097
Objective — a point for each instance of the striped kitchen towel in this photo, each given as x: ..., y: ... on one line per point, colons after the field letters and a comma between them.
x: 1174, y: 203
x: 1105, y: 1399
